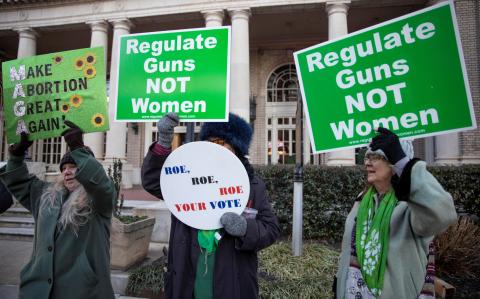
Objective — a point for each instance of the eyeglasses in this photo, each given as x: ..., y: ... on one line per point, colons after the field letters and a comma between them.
x: 373, y: 158
x: 218, y: 141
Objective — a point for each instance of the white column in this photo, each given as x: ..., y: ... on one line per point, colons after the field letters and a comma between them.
x: 274, y: 141
x: 337, y: 19
x: 447, y: 150
x: 307, y: 149
x: 213, y: 18
x: 337, y: 26
x: 27, y: 43
x: 117, y: 135
x: 147, y: 129
x: 99, y: 39
x: 429, y: 150
x: 240, y: 64
x: 447, y: 146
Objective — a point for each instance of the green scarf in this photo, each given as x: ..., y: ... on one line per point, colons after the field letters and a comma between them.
x: 203, y: 287
x: 372, y: 236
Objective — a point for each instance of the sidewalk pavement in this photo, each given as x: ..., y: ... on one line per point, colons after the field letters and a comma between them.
x: 138, y: 193
x: 15, y: 254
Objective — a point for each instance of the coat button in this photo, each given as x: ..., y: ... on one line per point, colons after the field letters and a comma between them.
x: 49, y: 280
x: 50, y: 248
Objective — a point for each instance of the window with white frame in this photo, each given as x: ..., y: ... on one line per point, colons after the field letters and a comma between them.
x: 282, y: 84
x: 281, y: 140
x: 282, y: 96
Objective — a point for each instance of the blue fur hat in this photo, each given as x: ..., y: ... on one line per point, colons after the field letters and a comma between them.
x: 236, y: 132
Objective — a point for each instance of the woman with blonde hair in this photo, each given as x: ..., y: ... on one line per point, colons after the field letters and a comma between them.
x: 388, y: 232
x: 71, y: 250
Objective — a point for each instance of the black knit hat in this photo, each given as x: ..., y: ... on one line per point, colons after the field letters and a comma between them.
x: 235, y: 132
x: 67, y: 158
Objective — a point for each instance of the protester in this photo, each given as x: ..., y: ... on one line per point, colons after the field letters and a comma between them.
x: 71, y: 251
x: 200, y: 265
x: 387, y: 234
x: 6, y: 200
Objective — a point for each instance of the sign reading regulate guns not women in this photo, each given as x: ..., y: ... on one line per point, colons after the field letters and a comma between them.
x: 184, y: 71
x: 406, y: 74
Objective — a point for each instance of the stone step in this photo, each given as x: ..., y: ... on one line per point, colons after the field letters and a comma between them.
x: 17, y: 234
x: 119, y: 281
x: 20, y: 222
x: 9, y: 291
x: 119, y: 278
x: 17, y: 212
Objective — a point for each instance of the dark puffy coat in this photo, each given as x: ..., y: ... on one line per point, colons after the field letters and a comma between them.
x: 236, y: 260
x: 6, y: 200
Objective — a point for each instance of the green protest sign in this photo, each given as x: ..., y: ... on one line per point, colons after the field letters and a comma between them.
x: 40, y: 92
x: 407, y: 74
x: 184, y: 71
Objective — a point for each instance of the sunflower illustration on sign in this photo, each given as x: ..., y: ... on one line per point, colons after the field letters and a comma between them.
x: 57, y: 59
x: 90, y: 58
x: 98, y: 120
x: 89, y: 72
x: 79, y: 63
x: 76, y: 100
x: 65, y: 108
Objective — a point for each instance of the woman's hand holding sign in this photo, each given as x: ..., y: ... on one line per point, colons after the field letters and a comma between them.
x: 234, y: 224
x: 73, y: 136
x: 389, y: 143
x: 18, y: 149
x: 165, y: 129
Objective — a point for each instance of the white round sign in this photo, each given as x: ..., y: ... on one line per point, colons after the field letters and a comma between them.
x: 201, y: 181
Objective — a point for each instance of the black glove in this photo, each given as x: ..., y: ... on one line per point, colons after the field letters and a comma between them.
x: 389, y: 143
x: 234, y: 224
x: 165, y: 127
x: 73, y: 136
x: 19, y: 149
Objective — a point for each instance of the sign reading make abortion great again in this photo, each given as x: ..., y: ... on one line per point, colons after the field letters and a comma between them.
x: 201, y: 181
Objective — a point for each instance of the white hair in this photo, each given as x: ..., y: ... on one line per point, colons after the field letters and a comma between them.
x: 75, y: 211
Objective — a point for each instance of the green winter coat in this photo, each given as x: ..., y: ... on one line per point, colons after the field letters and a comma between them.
x: 63, y: 264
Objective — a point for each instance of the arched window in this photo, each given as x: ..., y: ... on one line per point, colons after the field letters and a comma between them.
x: 282, y: 85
